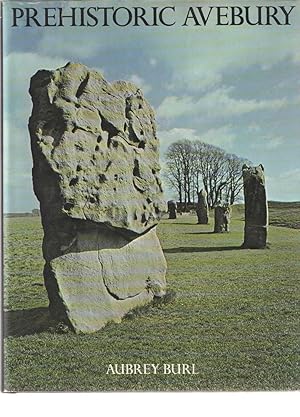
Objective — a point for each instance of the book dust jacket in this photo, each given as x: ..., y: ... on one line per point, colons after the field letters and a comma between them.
x: 151, y: 197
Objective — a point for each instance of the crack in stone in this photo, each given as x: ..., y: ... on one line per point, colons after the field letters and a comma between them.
x: 113, y: 295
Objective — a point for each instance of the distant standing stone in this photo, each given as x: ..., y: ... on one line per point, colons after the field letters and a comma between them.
x: 227, y: 215
x: 202, y: 208
x: 222, y: 218
x: 256, y: 209
x: 172, y: 209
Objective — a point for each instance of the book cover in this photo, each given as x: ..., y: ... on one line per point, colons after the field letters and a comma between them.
x: 150, y: 196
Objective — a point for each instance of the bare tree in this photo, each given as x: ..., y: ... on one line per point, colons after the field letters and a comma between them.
x: 210, y: 169
x: 173, y: 174
x: 191, y: 166
x: 178, y: 173
x: 234, y: 183
x: 198, y: 157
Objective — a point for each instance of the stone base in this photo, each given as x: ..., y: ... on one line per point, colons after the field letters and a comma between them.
x: 89, y: 288
x: 255, y: 237
x: 202, y: 219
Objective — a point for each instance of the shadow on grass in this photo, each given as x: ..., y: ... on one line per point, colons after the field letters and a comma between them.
x: 19, y: 323
x: 196, y: 249
x: 185, y: 224
x: 199, y: 233
x: 26, y: 322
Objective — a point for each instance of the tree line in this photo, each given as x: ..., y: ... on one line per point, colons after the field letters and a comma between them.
x: 193, y: 165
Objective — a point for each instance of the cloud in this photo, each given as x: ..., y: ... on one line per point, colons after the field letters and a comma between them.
x: 173, y: 107
x: 153, y: 62
x: 223, y: 136
x: 293, y: 174
x: 195, y: 77
x: 167, y: 137
x: 197, y: 58
x: 296, y: 100
x: 296, y: 57
x: 77, y: 45
x: 268, y: 142
x: 17, y: 146
x: 200, y: 58
x: 140, y: 82
x: 285, y: 186
x: 266, y: 67
x: 93, y: 42
x: 254, y: 127
x: 217, y: 103
x: 194, y: 62
x: 19, y: 67
x: 17, y: 184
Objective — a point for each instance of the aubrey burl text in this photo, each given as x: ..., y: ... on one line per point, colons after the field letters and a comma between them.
x: 151, y: 368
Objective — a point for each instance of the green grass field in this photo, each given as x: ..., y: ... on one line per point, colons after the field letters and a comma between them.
x: 235, y: 316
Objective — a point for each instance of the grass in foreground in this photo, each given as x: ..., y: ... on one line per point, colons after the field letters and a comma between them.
x: 235, y: 316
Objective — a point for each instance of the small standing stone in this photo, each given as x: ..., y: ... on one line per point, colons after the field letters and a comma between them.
x: 227, y: 215
x: 172, y: 209
x: 202, y: 208
x: 256, y: 208
x: 222, y: 218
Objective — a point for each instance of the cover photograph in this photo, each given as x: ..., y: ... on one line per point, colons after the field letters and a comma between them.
x: 151, y: 196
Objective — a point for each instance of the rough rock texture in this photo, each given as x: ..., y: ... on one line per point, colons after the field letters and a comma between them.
x: 222, y: 218
x: 104, y: 277
x: 202, y: 208
x: 96, y: 175
x: 172, y: 209
x: 256, y: 208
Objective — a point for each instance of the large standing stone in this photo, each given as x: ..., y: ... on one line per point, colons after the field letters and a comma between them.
x: 256, y: 208
x: 172, y: 209
x: 202, y: 208
x: 96, y: 175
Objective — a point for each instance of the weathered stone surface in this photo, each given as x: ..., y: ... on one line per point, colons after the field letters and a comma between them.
x: 222, y: 218
x: 97, y: 285
x: 96, y: 145
x: 256, y: 208
x: 202, y: 208
x: 172, y: 209
x: 96, y: 175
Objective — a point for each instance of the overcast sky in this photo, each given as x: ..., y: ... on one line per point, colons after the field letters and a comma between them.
x: 234, y: 87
